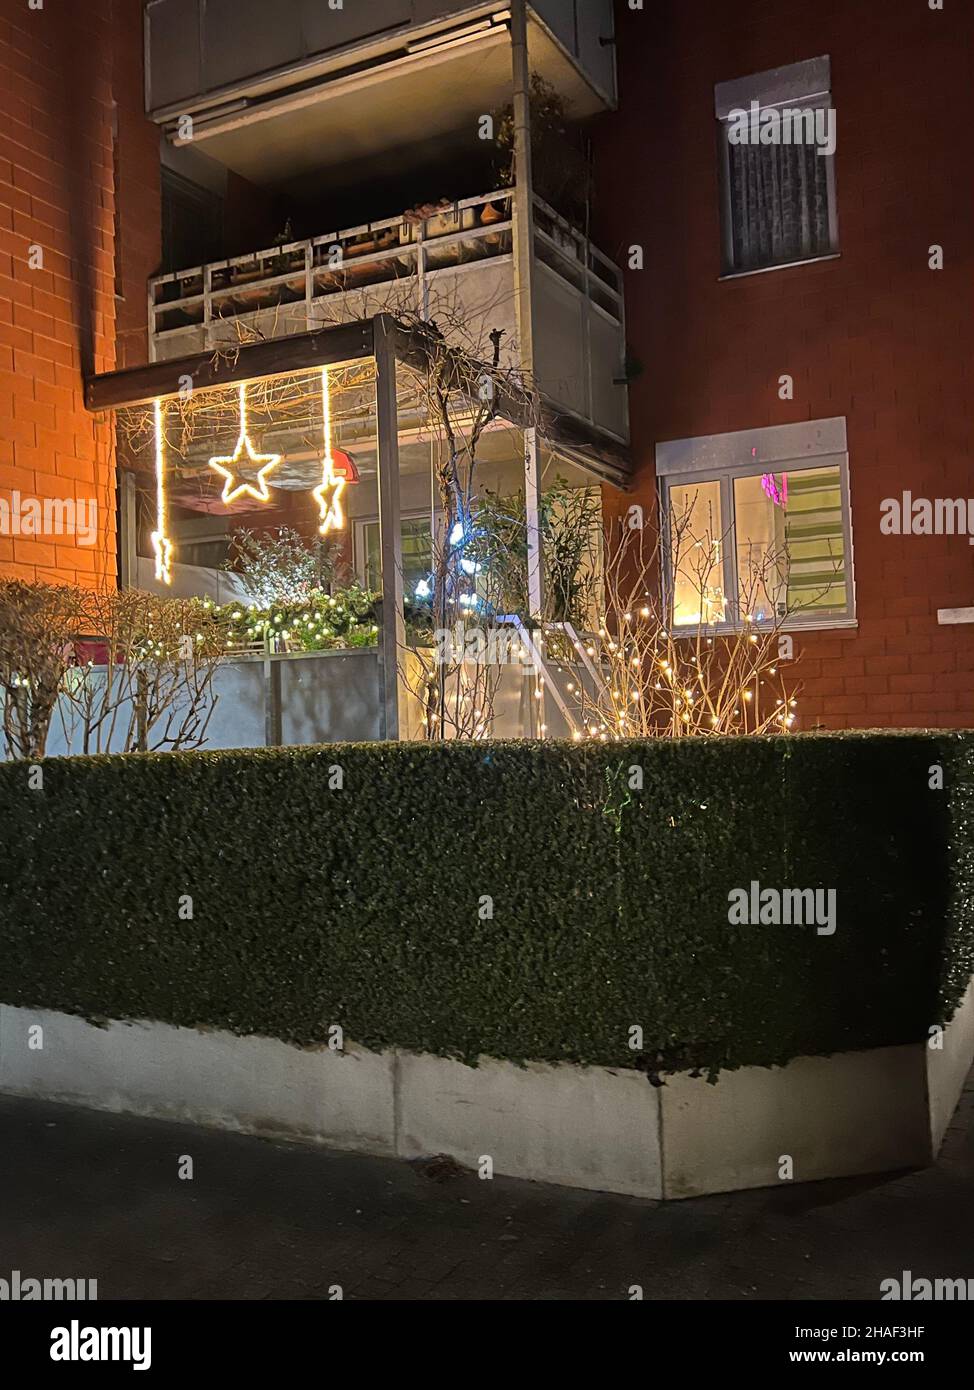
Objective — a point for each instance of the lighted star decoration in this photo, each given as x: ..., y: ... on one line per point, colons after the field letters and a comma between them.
x: 329, y: 491
x: 228, y: 467
x: 162, y: 546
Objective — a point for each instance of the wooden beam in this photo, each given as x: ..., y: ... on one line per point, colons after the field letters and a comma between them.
x: 413, y: 345
x: 344, y: 342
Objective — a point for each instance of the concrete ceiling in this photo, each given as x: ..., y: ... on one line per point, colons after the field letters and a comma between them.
x: 367, y: 118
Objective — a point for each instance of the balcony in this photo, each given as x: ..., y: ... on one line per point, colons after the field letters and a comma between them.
x: 352, y: 86
x: 455, y: 268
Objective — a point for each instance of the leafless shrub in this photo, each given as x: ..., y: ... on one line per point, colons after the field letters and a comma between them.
x: 125, y: 671
x: 152, y: 688
x: 703, y: 678
x: 37, y: 622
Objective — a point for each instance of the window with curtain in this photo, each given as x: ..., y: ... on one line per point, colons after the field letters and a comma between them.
x: 778, y: 199
x: 778, y: 205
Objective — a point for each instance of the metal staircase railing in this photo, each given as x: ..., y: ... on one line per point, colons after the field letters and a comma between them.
x: 566, y: 683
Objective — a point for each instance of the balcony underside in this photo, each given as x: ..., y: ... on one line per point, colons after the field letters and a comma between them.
x: 363, y: 103
x: 565, y: 435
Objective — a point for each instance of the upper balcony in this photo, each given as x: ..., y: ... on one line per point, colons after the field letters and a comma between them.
x: 352, y: 85
x: 455, y: 268
x: 306, y: 118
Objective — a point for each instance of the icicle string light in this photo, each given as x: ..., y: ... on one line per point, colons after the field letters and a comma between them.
x: 162, y: 546
x: 328, y: 493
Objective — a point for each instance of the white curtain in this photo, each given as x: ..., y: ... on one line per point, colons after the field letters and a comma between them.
x: 779, y: 204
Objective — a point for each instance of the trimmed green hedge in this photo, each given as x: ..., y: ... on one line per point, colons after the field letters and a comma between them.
x: 359, y: 906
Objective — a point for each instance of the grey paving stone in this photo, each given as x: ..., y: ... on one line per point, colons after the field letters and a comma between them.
x: 94, y: 1195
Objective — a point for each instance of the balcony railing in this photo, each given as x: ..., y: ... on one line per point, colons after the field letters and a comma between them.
x: 208, y: 299
x: 455, y: 267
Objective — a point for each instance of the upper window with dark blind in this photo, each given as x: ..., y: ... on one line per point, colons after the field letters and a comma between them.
x: 777, y: 134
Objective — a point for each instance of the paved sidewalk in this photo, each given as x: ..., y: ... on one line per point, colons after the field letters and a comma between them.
x: 89, y: 1195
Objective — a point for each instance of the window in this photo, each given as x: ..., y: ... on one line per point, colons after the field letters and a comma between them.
x: 192, y: 222
x: 776, y: 136
x: 696, y: 543
x: 417, y: 552
x: 208, y: 552
x: 757, y: 526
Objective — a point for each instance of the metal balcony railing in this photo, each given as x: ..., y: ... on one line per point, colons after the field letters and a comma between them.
x: 454, y: 266
x: 295, y: 276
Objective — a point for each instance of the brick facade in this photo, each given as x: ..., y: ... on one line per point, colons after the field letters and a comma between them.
x: 875, y: 336
x: 61, y: 69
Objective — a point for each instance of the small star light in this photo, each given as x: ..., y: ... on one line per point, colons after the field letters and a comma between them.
x: 329, y: 491
x: 226, y: 466
x: 162, y: 546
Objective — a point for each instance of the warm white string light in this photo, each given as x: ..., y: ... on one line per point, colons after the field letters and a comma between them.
x: 329, y: 491
x: 162, y: 546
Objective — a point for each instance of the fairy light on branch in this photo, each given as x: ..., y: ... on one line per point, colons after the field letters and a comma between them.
x: 661, y: 681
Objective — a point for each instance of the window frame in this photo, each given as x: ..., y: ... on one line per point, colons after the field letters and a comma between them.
x: 717, y: 459
x: 807, y: 86
x: 180, y: 193
x: 360, y: 544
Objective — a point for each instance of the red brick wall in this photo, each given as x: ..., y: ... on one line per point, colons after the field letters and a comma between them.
x: 875, y: 336
x: 58, y: 77
x: 139, y: 186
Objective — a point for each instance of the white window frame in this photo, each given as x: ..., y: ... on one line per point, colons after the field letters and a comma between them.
x: 750, y: 453
x: 360, y: 549
x: 808, y: 85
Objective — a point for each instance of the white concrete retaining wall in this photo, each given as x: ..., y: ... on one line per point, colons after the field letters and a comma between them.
x: 859, y: 1112
x: 947, y: 1068
x: 588, y: 1127
x: 583, y: 1127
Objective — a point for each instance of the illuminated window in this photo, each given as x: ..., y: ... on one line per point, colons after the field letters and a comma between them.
x: 766, y: 541
x: 696, y: 550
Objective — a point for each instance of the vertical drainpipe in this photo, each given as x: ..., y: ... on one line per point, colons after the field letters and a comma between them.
x: 128, y: 563
x: 523, y: 259
x: 393, y: 635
